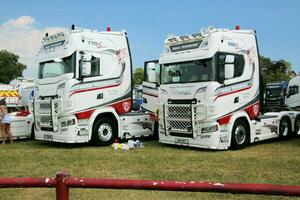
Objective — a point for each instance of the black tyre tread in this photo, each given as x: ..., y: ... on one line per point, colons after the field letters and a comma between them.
x: 289, y: 127
x: 295, y: 130
x: 95, y: 139
x: 234, y: 145
x: 155, y: 132
x: 32, y: 134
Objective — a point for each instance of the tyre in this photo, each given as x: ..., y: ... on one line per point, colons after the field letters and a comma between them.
x: 32, y: 135
x: 240, y: 136
x: 297, y: 125
x: 284, y: 127
x: 155, y: 132
x: 104, y: 131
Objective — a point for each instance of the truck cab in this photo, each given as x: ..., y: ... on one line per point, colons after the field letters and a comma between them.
x: 209, y: 92
x: 275, y: 95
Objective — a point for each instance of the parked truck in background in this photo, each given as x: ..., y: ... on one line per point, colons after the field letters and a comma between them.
x: 209, y: 92
x: 275, y: 95
x: 11, y: 95
x: 137, y: 98
x: 293, y: 95
x: 84, y: 89
x: 17, y: 94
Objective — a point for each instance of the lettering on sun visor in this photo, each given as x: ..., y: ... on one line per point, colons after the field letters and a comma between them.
x: 187, y: 46
x: 53, y: 45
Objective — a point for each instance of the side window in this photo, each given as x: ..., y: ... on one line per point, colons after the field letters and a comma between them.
x: 152, y: 72
x: 293, y: 90
x: 95, y: 66
x: 239, y: 64
x: 220, y: 67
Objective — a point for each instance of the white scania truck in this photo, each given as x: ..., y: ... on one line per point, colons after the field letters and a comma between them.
x: 84, y: 89
x: 209, y: 92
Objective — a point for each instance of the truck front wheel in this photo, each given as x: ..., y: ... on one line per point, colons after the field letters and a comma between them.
x: 240, y: 134
x: 104, y: 131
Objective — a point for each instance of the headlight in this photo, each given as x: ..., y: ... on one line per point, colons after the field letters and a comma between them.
x: 210, y: 129
x: 60, y: 90
x: 68, y: 122
x: 200, y: 90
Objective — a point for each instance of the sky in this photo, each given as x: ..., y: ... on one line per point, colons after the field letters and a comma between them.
x: 24, y: 23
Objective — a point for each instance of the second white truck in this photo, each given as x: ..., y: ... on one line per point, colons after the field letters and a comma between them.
x: 209, y: 92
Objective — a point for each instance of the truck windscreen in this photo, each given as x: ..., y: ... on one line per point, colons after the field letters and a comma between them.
x: 274, y: 92
x: 54, y: 68
x: 188, y: 72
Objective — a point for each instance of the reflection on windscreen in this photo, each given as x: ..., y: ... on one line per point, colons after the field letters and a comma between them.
x: 187, y: 72
x: 52, y: 68
x: 273, y: 92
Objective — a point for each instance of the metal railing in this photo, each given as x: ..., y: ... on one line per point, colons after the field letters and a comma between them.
x: 62, y: 182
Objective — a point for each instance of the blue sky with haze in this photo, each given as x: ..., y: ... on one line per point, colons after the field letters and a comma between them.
x: 149, y: 22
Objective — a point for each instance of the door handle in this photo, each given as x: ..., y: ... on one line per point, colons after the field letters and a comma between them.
x: 236, y: 100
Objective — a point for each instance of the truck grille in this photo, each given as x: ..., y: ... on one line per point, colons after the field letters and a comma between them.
x: 45, y: 106
x: 46, y: 113
x: 44, y: 119
x: 179, y: 112
x: 180, y: 118
x: 180, y: 125
x: 273, y: 103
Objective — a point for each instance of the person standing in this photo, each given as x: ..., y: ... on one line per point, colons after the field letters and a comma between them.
x: 5, y: 122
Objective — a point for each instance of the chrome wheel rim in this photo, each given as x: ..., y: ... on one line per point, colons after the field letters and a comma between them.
x: 240, y: 134
x: 105, y: 132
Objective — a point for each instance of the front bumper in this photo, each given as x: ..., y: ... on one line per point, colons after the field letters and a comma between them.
x: 74, y: 133
x: 213, y: 140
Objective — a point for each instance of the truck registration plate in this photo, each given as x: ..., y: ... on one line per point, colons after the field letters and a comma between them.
x: 181, y: 141
x: 48, y: 137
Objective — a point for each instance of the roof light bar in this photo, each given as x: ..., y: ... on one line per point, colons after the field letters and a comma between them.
x: 185, y: 37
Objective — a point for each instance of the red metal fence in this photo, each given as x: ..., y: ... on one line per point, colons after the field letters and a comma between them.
x: 62, y: 182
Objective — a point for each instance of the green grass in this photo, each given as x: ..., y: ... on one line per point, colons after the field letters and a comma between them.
x: 276, y: 162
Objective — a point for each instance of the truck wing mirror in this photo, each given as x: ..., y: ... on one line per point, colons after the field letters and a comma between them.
x: 229, y: 71
x: 229, y: 66
x: 229, y: 59
x: 86, y: 69
x: 84, y: 65
x: 151, y: 72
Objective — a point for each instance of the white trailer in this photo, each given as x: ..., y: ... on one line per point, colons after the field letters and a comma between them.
x: 84, y: 89
x: 209, y: 92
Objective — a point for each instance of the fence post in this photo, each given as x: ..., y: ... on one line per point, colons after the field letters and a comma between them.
x: 62, y: 190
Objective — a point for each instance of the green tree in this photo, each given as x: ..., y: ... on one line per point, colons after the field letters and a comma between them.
x: 138, y: 75
x: 10, y: 68
x: 273, y: 71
